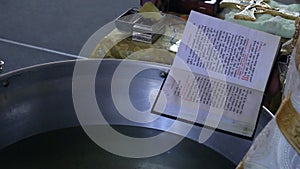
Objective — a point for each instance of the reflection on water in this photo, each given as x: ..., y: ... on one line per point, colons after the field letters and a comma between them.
x: 71, y: 148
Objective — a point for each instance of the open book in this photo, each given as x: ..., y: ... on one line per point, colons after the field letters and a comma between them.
x: 219, y: 75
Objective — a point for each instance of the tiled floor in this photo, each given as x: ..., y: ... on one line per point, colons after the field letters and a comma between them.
x: 61, y: 26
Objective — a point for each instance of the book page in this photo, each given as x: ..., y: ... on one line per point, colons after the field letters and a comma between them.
x: 217, y: 48
x: 235, y: 107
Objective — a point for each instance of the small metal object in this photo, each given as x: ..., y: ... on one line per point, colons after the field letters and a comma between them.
x: 141, y: 26
x: 125, y: 22
x: 147, y: 30
x: 5, y: 83
x: 1, y: 65
x: 163, y: 74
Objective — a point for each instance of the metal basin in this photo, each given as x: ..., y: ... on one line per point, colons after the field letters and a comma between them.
x: 39, y: 127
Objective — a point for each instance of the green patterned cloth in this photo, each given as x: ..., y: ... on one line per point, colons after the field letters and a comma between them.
x: 119, y: 45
